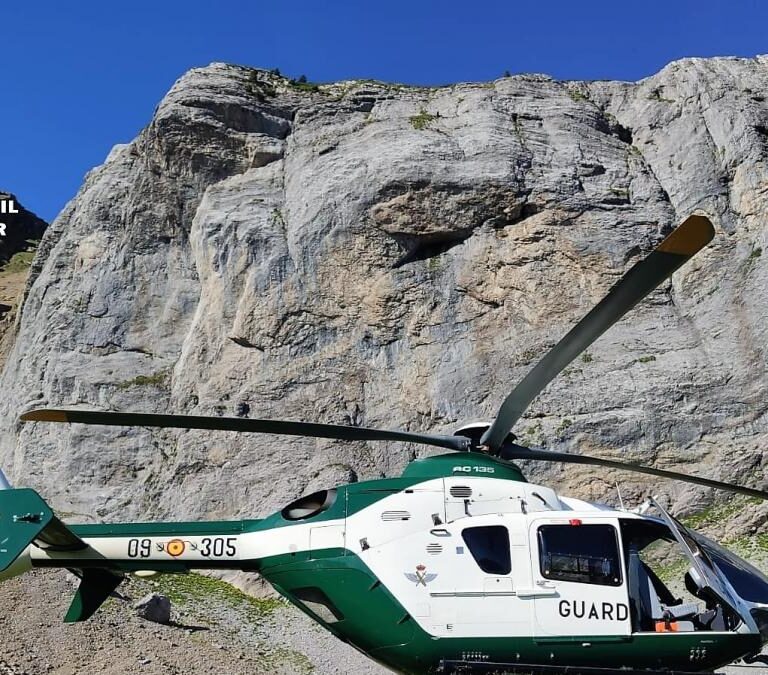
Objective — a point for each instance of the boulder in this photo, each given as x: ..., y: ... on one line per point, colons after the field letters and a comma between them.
x: 154, y: 607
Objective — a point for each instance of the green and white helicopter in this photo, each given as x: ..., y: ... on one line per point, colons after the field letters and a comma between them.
x: 458, y: 565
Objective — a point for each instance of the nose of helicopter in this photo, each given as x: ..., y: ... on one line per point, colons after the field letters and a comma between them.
x: 760, y: 615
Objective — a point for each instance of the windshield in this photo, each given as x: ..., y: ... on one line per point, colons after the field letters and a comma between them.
x: 709, y: 575
x: 674, y: 585
x: 748, y: 581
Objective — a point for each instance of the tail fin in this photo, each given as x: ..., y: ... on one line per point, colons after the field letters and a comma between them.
x: 96, y: 585
x: 26, y: 519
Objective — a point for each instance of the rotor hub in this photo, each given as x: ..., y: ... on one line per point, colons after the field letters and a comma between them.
x: 474, y: 432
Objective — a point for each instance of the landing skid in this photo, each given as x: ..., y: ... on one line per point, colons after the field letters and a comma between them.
x: 473, y: 667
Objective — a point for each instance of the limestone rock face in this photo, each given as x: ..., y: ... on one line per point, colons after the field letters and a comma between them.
x: 399, y: 257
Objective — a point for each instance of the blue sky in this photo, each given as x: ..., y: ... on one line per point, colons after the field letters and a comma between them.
x: 78, y: 77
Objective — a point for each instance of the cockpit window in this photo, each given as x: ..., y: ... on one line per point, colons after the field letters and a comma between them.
x: 587, y: 554
x: 748, y: 582
x: 676, y: 578
x: 489, y: 547
x: 691, y: 542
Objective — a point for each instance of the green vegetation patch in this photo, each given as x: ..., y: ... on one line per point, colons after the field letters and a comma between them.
x: 299, y: 663
x: 193, y: 587
x: 184, y: 589
x: 577, y: 95
x: 157, y: 379
x: 753, y: 548
x: 646, y: 359
x: 199, y: 596
x: 422, y: 120
x: 303, y: 84
x: 278, y: 218
x: 752, y: 259
x: 434, y: 264
x: 718, y: 513
x: 533, y: 434
x: 21, y: 261
x: 655, y: 95
x: 672, y: 571
x: 260, y: 88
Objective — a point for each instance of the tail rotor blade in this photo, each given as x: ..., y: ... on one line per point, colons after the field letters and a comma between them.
x: 679, y: 247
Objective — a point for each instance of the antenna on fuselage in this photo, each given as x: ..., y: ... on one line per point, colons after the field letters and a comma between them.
x: 618, y: 492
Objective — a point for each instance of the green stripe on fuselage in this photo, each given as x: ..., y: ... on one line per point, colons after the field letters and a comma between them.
x: 152, y: 529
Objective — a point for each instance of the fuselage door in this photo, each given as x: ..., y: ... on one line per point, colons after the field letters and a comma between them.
x: 578, y: 586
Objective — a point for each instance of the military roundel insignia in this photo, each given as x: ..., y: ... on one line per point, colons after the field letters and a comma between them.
x: 422, y: 577
x: 175, y: 547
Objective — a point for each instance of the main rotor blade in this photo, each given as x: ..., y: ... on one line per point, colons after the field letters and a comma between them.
x: 679, y: 247
x: 512, y: 451
x: 312, y: 430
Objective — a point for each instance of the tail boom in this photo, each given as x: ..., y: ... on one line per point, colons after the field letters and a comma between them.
x: 160, y: 547
x: 32, y: 536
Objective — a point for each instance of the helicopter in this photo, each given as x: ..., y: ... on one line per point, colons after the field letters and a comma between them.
x: 459, y: 564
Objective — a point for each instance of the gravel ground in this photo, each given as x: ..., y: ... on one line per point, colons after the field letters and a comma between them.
x: 207, y: 636
x: 214, y: 630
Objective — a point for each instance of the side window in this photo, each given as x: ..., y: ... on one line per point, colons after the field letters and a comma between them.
x: 587, y: 554
x: 489, y: 547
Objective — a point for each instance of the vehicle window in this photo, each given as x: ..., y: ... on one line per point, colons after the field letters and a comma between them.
x: 748, y: 582
x: 587, y: 554
x: 489, y: 547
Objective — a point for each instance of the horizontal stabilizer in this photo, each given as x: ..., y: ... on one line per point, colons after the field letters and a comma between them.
x: 24, y: 518
x: 58, y: 537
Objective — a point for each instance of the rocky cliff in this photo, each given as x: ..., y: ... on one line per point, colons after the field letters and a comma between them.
x: 399, y: 256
